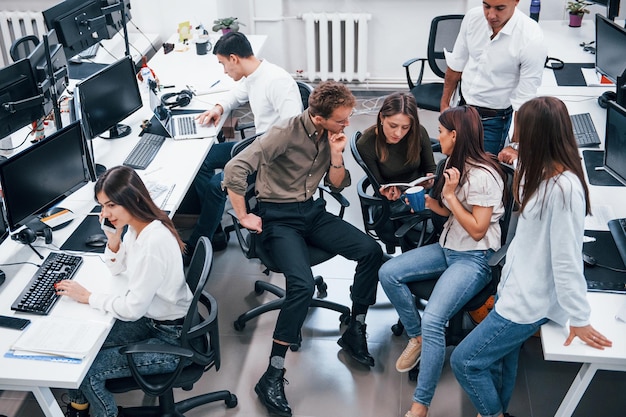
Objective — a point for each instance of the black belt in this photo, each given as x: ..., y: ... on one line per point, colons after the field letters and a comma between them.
x: 487, y: 112
x: 176, y: 322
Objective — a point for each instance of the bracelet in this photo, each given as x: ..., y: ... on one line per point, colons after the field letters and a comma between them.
x: 337, y: 166
x: 514, y: 145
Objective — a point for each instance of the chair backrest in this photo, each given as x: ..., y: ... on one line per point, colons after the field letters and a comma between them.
x: 305, y: 92
x: 443, y: 32
x: 359, y: 159
x: 509, y: 206
x: 23, y: 46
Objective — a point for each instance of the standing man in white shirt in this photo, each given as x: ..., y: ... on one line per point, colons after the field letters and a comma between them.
x: 273, y: 95
x: 498, y: 57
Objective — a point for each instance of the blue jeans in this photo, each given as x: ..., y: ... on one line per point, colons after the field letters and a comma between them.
x: 208, y: 185
x: 111, y: 364
x: 496, y: 130
x: 460, y: 276
x: 485, y: 362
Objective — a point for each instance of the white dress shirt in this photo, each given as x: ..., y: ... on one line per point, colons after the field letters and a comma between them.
x: 272, y: 93
x: 502, y: 71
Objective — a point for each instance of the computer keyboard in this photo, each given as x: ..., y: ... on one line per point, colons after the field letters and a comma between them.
x: 90, y: 52
x: 584, y: 130
x: 144, y: 151
x: 39, y: 296
x: 186, y: 125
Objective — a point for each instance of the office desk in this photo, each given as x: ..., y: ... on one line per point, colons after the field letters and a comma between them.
x: 563, y: 42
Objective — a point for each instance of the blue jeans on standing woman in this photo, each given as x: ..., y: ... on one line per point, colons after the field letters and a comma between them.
x: 111, y: 364
x: 485, y: 362
x: 460, y: 276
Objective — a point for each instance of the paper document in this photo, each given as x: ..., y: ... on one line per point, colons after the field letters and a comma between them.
x: 71, y: 338
x: 407, y: 185
x: 595, y: 79
x: 600, y: 218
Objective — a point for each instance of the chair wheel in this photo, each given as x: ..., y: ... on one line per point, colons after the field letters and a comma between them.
x: 239, y: 325
x: 232, y: 401
x: 258, y: 290
x: 397, y: 329
x: 344, y: 318
x: 294, y: 347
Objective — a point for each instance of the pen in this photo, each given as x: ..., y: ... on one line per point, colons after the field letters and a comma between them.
x: 215, y: 83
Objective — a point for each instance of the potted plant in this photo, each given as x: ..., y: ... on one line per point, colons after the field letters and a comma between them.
x: 577, y: 9
x: 227, y: 24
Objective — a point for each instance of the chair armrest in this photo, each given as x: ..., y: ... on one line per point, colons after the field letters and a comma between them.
x: 243, y: 241
x: 406, y: 66
x: 343, y: 202
x: 244, y: 126
x: 150, y: 348
x: 410, y: 222
x: 435, y: 144
x: 498, y: 256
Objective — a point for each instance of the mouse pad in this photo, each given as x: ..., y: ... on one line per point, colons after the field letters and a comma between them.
x: 595, y: 159
x: 606, y: 254
x: 89, y: 226
x: 571, y: 75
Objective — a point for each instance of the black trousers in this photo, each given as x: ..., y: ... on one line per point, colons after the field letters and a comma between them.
x: 288, y: 229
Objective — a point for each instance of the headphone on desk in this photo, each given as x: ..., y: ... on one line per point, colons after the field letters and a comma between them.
x: 179, y: 99
x: 26, y: 236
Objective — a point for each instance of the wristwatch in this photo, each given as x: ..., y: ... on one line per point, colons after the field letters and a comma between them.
x: 514, y: 145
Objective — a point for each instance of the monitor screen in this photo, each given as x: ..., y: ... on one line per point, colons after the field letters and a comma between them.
x: 42, y: 175
x: 78, y: 24
x: 615, y: 142
x: 108, y: 97
x: 39, y: 64
x: 610, y: 41
x: 20, y: 99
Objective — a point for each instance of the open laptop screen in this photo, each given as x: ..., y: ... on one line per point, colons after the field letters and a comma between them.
x: 615, y: 142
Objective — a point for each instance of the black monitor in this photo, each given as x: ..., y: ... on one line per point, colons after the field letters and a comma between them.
x: 615, y: 142
x: 612, y: 7
x: 53, y: 83
x: 21, y: 101
x: 36, y: 179
x: 114, y: 21
x: 610, y: 41
x: 108, y: 97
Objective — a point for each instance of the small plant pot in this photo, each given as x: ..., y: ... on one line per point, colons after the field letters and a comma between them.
x: 575, y: 20
x: 225, y: 31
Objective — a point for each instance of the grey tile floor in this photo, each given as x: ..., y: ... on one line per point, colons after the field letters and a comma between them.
x: 323, y: 381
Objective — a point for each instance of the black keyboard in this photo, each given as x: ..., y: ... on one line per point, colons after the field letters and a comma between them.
x: 584, y: 130
x: 618, y: 231
x: 144, y: 151
x: 39, y: 295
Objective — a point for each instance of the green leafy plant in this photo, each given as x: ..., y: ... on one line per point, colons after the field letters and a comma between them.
x: 578, y: 7
x: 227, y: 23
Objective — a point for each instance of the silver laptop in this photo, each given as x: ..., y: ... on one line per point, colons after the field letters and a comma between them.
x: 179, y: 126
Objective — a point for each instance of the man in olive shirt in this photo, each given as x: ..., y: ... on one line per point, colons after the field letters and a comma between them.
x: 290, y: 160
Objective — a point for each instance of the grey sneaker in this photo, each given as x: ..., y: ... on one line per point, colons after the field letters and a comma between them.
x: 410, y: 356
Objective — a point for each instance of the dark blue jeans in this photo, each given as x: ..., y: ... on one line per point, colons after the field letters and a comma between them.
x: 208, y: 185
x: 288, y: 229
x: 496, y: 130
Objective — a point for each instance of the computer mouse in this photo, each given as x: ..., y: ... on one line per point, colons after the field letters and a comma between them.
x: 96, y: 241
x: 589, y: 260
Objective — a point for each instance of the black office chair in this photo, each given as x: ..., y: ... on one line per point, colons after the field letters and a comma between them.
x: 443, y: 33
x: 423, y: 289
x: 253, y: 248
x: 405, y: 230
x: 305, y: 92
x: 22, y: 47
x: 199, y: 351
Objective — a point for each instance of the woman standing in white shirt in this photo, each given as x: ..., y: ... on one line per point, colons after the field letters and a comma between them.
x: 543, y: 276
x: 156, y: 302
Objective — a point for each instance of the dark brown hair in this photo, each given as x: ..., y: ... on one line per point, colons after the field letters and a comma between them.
x: 123, y: 187
x: 468, y: 147
x: 547, y: 147
x: 328, y: 96
x: 399, y: 103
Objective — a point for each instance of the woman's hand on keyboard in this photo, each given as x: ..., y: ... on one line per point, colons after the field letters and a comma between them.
x: 73, y: 290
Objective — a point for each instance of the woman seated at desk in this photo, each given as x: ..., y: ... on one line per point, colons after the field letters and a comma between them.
x: 157, y: 300
x: 397, y: 149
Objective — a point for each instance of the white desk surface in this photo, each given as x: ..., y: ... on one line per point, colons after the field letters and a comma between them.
x: 563, y: 43
x: 176, y: 163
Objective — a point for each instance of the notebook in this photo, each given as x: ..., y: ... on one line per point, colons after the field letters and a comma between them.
x: 179, y: 126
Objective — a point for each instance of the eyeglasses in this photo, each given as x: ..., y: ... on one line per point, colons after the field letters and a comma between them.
x: 345, y: 121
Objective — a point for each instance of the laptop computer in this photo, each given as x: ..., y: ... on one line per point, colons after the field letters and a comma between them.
x: 179, y: 126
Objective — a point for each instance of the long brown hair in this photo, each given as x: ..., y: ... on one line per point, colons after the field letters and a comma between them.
x: 123, y: 186
x: 546, y: 147
x: 399, y: 103
x: 468, y: 148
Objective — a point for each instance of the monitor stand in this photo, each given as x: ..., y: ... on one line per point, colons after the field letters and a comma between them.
x: 118, y: 131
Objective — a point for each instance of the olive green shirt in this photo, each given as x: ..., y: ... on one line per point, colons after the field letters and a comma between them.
x: 290, y: 161
x: 396, y: 168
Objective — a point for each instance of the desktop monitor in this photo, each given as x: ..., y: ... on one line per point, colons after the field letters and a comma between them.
x: 38, y: 59
x: 21, y: 101
x: 107, y: 97
x: 612, y: 7
x: 114, y: 21
x: 615, y: 142
x: 42, y: 175
x: 77, y: 23
x: 610, y: 41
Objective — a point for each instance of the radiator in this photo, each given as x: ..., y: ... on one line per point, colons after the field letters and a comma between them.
x: 336, y: 46
x: 14, y: 25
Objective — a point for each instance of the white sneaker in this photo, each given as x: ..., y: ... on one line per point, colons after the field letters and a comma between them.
x: 410, y: 356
